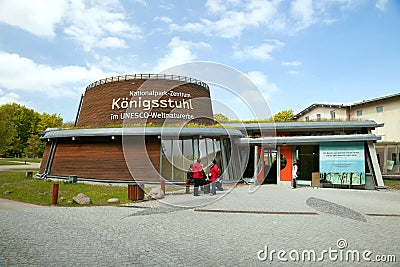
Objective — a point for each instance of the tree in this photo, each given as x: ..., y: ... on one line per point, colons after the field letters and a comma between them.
x: 49, y: 121
x: 20, y: 127
x: 284, y: 116
x: 218, y: 117
x: 8, y: 132
x: 34, y: 147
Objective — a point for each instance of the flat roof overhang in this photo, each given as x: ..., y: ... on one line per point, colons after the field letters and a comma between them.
x: 141, y: 131
x: 307, y: 140
x: 305, y: 126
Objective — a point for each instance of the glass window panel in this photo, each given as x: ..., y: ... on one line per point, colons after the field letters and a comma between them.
x: 392, y: 164
x: 188, y: 156
x: 177, y: 159
x: 196, y: 150
x: 218, y: 154
x: 210, y: 151
x: 177, y: 153
x: 166, y: 164
x: 203, y: 152
x: 229, y: 175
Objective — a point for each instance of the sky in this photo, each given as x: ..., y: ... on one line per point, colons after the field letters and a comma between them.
x: 297, y: 52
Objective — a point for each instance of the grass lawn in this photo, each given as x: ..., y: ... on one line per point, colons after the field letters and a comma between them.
x: 39, y: 192
x: 392, y: 184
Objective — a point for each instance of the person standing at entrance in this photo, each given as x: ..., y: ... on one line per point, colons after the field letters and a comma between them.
x: 295, y: 169
x: 213, y: 175
x: 197, y: 171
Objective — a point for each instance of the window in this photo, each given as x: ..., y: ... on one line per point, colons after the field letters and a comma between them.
x: 318, y: 117
x: 394, y: 159
x: 359, y: 113
x: 333, y: 114
x: 379, y: 109
x: 307, y: 118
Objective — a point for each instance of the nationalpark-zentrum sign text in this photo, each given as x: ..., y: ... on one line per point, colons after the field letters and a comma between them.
x: 146, y: 104
x: 137, y: 100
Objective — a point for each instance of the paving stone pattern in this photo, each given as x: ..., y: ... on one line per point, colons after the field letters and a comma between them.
x: 164, y: 235
x: 332, y: 208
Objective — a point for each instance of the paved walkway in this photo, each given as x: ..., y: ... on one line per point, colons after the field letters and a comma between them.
x: 29, y: 165
x: 234, y: 230
x: 6, y: 204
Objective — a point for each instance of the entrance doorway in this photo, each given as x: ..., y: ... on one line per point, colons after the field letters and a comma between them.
x: 270, y: 166
x: 308, y: 161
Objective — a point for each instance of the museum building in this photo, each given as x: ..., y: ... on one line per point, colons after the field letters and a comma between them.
x: 151, y: 127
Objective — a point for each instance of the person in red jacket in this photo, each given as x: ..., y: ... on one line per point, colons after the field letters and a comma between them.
x: 197, y: 171
x: 213, y: 177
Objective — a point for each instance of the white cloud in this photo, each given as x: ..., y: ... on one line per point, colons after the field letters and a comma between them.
x: 302, y: 11
x: 179, y: 52
x: 215, y: 6
x: 229, y: 19
x: 92, y: 24
x: 118, y: 64
x: 142, y: 2
x: 167, y: 6
x: 99, y: 24
x: 261, y: 52
x: 113, y: 42
x: 234, y: 18
x: 38, y: 17
x: 8, y: 97
x: 164, y: 19
x: 291, y: 63
x: 381, y: 4
x: 293, y: 72
x: 23, y: 74
x: 260, y: 79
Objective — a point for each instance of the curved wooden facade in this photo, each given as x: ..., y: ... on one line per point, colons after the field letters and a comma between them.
x: 99, y: 150
x: 137, y: 100
x: 101, y: 158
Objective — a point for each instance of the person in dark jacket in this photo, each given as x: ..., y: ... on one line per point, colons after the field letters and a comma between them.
x: 189, y: 174
x: 197, y: 171
x: 213, y: 177
x: 295, y: 171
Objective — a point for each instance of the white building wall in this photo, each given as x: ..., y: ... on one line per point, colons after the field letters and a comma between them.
x: 387, y: 149
x: 390, y: 116
x: 325, y: 114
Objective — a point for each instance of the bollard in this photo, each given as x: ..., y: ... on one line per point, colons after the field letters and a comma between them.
x: 135, y: 192
x: 54, y: 196
x: 163, y: 185
x: 140, y: 192
x: 132, y: 195
x: 187, y: 186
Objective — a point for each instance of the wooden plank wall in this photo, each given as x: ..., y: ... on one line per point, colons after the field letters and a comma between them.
x: 45, y: 157
x: 103, y: 159
x: 96, y: 107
